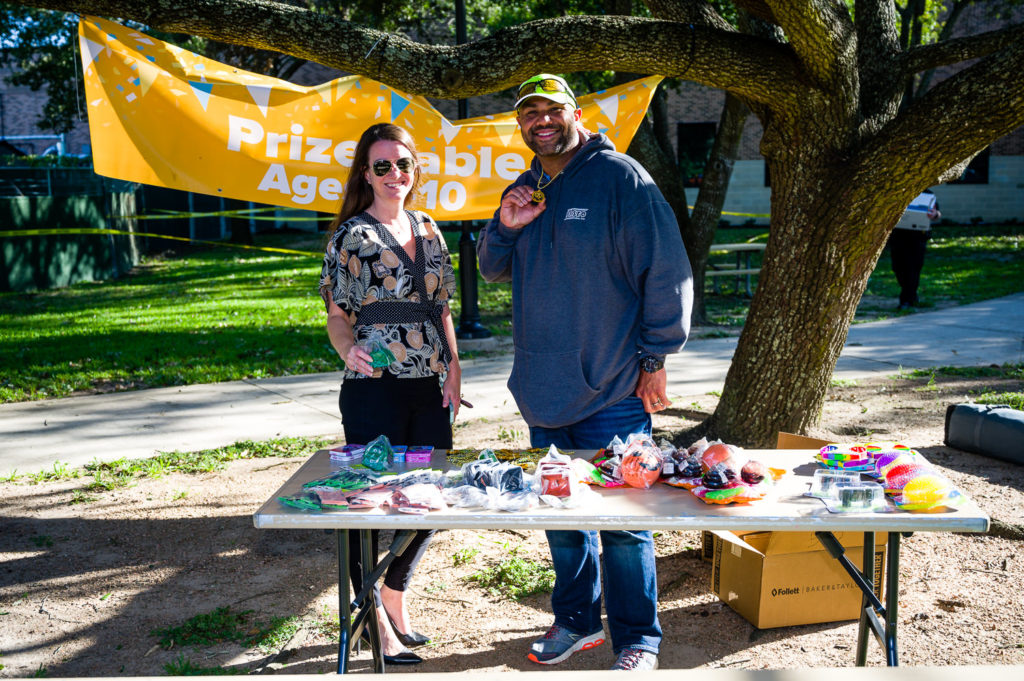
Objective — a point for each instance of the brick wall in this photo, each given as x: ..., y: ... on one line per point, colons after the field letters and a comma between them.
x: 20, y: 108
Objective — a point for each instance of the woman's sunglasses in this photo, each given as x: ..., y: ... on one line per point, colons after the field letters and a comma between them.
x: 383, y: 166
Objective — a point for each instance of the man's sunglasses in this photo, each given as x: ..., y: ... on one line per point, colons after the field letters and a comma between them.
x: 544, y: 85
x: 383, y: 166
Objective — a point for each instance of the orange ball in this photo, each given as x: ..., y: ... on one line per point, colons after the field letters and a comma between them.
x: 641, y: 467
x: 716, y: 454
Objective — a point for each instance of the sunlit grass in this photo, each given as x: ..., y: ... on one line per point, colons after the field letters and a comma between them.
x: 218, y: 314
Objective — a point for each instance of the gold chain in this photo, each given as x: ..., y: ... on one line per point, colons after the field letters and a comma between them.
x: 538, y: 195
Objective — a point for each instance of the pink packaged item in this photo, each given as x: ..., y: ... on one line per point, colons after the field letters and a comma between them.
x: 418, y: 454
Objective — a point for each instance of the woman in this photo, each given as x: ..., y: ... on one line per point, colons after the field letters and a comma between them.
x: 386, y: 281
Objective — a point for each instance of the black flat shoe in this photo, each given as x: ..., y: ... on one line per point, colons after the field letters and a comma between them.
x: 412, y: 639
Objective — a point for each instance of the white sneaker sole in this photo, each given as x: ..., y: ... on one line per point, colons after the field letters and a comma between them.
x: 585, y: 643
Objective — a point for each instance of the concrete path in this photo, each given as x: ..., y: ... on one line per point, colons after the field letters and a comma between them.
x: 77, y: 430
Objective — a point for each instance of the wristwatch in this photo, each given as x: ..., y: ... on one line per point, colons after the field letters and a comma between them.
x: 651, y: 364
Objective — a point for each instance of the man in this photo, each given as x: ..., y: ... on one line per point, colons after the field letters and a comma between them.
x: 601, y: 292
x: 907, y: 245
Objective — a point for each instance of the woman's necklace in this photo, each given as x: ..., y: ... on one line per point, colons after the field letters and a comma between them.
x: 538, y: 195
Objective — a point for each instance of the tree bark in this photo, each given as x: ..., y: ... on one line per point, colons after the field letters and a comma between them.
x: 844, y: 163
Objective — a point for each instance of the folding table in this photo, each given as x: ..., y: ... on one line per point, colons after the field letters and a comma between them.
x: 660, y: 508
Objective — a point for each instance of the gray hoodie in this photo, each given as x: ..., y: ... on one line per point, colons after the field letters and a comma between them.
x: 600, y: 277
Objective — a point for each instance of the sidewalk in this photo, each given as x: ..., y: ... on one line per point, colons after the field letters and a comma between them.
x: 77, y: 430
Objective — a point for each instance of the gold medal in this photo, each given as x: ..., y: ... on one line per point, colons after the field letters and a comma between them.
x: 538, y: 195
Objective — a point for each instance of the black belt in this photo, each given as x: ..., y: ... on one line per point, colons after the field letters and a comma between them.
x: 395, y: 312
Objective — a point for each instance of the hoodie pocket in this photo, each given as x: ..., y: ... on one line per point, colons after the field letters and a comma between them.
x: 550, y: 387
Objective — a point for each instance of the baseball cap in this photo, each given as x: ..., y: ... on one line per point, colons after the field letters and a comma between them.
x: 548, y: 86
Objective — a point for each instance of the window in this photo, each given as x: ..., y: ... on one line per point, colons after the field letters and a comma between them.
x: 694, y: 149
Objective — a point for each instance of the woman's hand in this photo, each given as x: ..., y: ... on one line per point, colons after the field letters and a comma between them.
x: 358, y: 359
x: 451, y: 391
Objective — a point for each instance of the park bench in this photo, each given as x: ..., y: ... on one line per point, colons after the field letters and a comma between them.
x: 741, y: 268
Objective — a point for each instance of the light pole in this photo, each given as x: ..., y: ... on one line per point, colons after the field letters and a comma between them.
x: 469, y: 319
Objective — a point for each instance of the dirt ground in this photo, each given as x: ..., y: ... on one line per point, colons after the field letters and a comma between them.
x: 83, y: 585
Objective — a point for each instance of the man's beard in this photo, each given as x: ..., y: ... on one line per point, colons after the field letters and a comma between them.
x: 552, y: 146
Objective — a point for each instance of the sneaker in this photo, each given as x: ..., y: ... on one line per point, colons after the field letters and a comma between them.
x: 635, y: 660
x: 560, y: 643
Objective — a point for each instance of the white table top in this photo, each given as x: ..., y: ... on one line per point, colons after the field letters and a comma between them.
x: 660, y: 508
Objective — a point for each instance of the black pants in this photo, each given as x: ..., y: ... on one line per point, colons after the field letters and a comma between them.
x: 906, y: 249
x: 409, y: 412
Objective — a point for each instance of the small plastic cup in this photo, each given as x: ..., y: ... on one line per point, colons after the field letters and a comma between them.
x: 826, y: 480
x: 862, y: 496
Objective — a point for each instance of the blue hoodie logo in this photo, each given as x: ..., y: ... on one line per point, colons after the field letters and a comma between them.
x: 576, y: 214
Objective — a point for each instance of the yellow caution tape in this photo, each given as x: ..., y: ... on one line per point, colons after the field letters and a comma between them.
x: 242, y: 213
x: 742, y: 215
x: 63, y: 232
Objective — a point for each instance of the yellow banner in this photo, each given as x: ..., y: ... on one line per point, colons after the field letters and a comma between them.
x: 163, y: 115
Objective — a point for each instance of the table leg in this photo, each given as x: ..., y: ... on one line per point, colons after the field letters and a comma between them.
x: 344, y: 610
x: 892, y: 598
x: 365, y: 602
x: 369, y: 562
x: 872, y: 605
x: 868, y: 570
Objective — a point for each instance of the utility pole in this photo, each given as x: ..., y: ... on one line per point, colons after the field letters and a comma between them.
x: 469, y: 319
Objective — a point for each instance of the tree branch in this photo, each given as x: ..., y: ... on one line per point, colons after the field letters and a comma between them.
x: 756, y: 69
x: 822, y: 34
x: 958, y: 49
x: 689, y: 11
x: 980, y: 103
x: 877, y: 48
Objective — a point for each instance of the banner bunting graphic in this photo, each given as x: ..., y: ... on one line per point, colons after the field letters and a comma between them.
x: 163, y: 115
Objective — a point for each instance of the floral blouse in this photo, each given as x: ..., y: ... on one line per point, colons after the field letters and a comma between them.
x: 364, y: 264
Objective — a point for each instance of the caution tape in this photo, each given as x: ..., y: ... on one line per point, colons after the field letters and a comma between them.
x: 86, y: 230
x: 242, y: 213
x: 742, y: 215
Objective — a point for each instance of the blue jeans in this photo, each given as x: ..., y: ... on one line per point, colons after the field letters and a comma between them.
x: 628, y: 557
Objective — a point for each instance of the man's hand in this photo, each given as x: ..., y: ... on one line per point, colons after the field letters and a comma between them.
x: 651, y: 389
x: 518, y: 209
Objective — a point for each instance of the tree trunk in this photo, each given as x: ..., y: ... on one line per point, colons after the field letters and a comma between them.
x: 707, y: 211
x: 827, y: 233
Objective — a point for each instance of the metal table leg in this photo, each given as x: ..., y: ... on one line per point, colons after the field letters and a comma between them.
x: 344, y: 611
x: 882, y: 620
x: 364, y: 604
x: 892, y: 598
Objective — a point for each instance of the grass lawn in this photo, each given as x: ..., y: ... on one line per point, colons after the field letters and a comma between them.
x: 214, y: 314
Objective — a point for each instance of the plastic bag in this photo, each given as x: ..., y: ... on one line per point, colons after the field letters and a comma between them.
x: 642, y: 461
x: 332, y: 499
x: 377, y: 454
x: 555, y: 474
x: 418, y: 498
x: 720, y: 453
x: 380, y: 355
x: 581, y: 495
x: 343, y: 479
x: 489, y: 498
x: 929, y: 491
x: 607, y: 464
x: 370, y: 498
x: 307, y: 501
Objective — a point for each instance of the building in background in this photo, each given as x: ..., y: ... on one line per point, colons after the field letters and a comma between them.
x: 990, y: 190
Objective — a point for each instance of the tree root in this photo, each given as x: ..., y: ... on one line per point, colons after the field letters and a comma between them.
x: 1003, y: 530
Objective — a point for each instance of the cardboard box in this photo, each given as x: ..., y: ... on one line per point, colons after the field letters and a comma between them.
x: 707, y: 543
x: 791, y: 441
x: 778, y: 579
